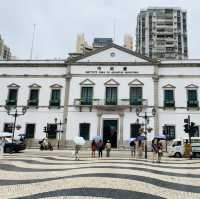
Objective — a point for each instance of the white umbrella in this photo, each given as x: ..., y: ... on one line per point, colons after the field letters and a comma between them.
x: 131, y: 139
x: 5, y: 134
x: 79, y: 141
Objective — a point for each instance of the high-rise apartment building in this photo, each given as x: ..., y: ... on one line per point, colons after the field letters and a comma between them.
x: 101, y: 42
x: 5, y: 53
x: 162, y: 33
x: 128, y: 41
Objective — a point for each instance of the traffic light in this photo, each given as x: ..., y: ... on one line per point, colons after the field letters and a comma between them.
x: 45, y: 129
x: 186, y: 125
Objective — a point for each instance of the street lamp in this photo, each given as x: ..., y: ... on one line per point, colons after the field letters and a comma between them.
x: 146, y: 121
x: 59, y: 129
x: 15, y: 113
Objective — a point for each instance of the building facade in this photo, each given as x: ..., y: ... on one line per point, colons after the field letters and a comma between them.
x: 98, y: 93
x: 5, y: 53
x: 162, y: 33
x: 128, y: 41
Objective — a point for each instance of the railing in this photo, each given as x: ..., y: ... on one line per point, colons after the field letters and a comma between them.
x: 54, y: 103
x: 33, y: 102
x: 169, y: 103
x: 192, y: 104
x: 10, y: 102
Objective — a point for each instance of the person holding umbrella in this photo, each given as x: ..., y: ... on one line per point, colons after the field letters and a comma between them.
x: 77, y: 149
x: 79, y: 141
x: 132, y: 147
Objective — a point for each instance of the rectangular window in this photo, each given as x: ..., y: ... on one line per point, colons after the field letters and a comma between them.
x: 8, y: 127
x: 30, y: 130
x: 111, y: 95
x: 12, y: 97
x: 86, y: 95
x: 169, y: 131
x: 135, y: 130
x: 135, y: 95
x: 34, y: 97
x: 55, y: 98
x: 51, y: 131
x: 169, y: 98
x: 192, y: 100
x: 84, y: 129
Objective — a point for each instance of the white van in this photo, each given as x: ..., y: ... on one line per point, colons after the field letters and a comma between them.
x: 176, y: 148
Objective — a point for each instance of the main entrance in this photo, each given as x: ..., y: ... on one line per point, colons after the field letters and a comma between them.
x: 110, y: 128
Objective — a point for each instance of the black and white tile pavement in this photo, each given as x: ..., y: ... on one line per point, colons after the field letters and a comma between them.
x: 33, y: 174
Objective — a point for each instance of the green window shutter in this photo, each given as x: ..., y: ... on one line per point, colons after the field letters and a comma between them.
x: 192, y: 95
x: 135, y: 95
x: 34, y: 94
x: 86, y: 95
x: 13, y: 94
x: 111, y: 95
x: 169, y: 95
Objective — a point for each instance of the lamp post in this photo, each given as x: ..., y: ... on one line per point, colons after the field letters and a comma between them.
x: 146, y: 121
x: 59, y: 129
x: 15, y: 113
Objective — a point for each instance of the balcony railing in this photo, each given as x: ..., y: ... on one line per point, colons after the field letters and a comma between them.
x: 169, y: 104
x: 54, y: 103
x: 192, y: 104
x: 33, y: 103
x: 10, y: 102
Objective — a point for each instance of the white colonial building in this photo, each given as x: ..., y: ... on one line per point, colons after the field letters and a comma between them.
x: 98, y: 93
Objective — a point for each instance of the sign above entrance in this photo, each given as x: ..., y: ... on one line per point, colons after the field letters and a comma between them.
x: 110, y: 72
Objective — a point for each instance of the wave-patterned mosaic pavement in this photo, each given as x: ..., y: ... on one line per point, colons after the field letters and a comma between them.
x: 57, y: 175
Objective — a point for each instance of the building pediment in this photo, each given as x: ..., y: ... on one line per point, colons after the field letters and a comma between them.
x: 87, y: 82
x: 55, y: 86
x: 111, y: 53
x: 136, y: 82
x: 34, y: 86
x: 192, y: 86
x: 13, y: 85
x: 111, y: 82
x: 169, y: 86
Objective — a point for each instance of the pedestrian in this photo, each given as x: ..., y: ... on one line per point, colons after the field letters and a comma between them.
x: 154, y: 150
x: 108, y: 148
x: 140, y: 149
x: 160, y: 150
x: 77, y: 149
x: 100, y: 147
x: 2, y: 143
x: 132, y: 148
x: 93, y: 148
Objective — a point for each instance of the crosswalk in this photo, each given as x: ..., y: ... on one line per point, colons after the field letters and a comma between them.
x: 57, y: 175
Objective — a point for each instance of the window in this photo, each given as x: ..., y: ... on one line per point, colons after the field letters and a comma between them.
x: 34, y: 97
x: 169, y: 131
x: 86, y: 95
x: 51, y: 131
x: 84, y: 129
x: 12, y: 97
x: 30, y: 130
x: 111, y: 95
x: 169, y: 98
x: 192, y: 98
x: 8, y: 127
x: 55, y: 98
x: 135, y: 95
x: 135, y: 130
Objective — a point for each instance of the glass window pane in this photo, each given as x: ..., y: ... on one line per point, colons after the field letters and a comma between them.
x: 86, y: 95
x: 192, y: 95
x: 34, y: 94
x: 111, y: 95
x: 136, y: 95
x: 12, y: 94
x: 169, y: 95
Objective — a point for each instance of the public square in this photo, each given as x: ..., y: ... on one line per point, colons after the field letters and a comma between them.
x: 55, y: 174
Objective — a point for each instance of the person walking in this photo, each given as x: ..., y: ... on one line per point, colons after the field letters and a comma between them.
x: 132, y: 148
x: 154, y: 150
x: 100, y: 148
x: 140, y: 149
x: 2, y: 143
x: 160, y: 151
x: 77, y: 149
x: 108, y: 148
x: 93, y: 147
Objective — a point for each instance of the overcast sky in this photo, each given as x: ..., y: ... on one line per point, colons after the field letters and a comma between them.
x: 59, y: 21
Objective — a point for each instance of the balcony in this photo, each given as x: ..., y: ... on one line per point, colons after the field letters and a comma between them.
x: 33, y: 103
x: 54, y: 103
x: 11, y: 102
x: 192, y: 104
x: 169, y: 104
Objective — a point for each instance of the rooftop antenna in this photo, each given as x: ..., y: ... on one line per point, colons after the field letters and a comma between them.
x: 114, y: 29
x: 32, y: 45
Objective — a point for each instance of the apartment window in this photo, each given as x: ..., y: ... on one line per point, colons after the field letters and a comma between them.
x: 33, y: 97
x: 51, y: 131
x: 30, y: 130
x: 135, y: 95
x: 192, y: 100
x: 111, y: 95
x: 86, y: 95
x: 12, y: 97
x: 8, y: 127
x: 84, y: 130
x: 169, y: 131
x: 55, y: 98
x: 169, y: 98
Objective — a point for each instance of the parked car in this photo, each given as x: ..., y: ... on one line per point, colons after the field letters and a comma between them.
x: 177, y: 149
